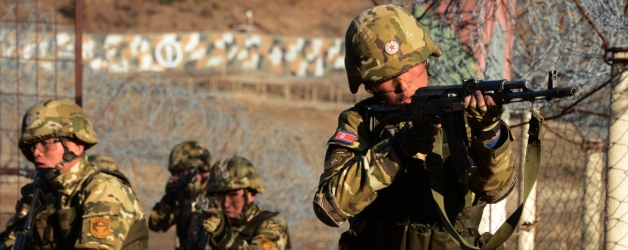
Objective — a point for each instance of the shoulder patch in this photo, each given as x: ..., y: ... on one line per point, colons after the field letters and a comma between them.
x: 345, y: 136
x: 266, y: 244
x: 99, y: 227
x: 18, y: 207
x: 337, y: 157
x: 333, y: 161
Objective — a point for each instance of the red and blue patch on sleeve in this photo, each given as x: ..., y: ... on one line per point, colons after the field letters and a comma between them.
x: 345, y: 136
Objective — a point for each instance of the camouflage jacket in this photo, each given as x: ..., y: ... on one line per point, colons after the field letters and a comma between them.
x: 267, y: 231
x: 106, y: 211
x: 166, y: 213
x: 364, y: 175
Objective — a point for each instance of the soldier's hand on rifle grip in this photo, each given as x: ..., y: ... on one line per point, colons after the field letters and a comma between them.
x: 172, y: 188
x: 212, y: 222
x: 419, y: 135
x: 483, y: 115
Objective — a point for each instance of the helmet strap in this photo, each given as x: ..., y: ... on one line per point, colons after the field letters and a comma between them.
x: 427, y: 69
x: 246, y: 196
x: 51, y: 173
x: 247, y: 203
x: 68, y: 155
x: 47, y: 174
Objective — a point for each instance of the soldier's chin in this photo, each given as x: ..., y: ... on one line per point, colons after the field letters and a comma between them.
x: 43, y: 166
x: 232, y: 214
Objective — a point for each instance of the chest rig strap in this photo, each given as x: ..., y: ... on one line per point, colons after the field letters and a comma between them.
x: 531, y: 170
x: 64, y: 239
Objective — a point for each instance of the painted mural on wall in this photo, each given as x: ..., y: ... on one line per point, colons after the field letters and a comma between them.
x: 296, y: 56
x: 293, y: 56
x: 233, y: 52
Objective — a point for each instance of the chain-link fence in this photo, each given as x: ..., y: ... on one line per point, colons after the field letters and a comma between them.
x: 573, y: 38
x: 140, y: 117
x: 33, y: 65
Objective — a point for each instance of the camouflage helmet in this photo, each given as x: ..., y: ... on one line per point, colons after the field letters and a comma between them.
x: 383, y: 42
x: 189, y: 154
x: 52, y: 119
x: 104, y: 162
x: 234, y: 173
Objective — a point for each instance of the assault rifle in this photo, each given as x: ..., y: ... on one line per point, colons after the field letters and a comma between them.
x: 449, y: 99
x: 184, y: 202
x: 24, y: 240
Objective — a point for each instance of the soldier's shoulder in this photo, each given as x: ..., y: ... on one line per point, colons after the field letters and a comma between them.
x: 270, y: 218
x: 103, y: 182
x: 355, y: 112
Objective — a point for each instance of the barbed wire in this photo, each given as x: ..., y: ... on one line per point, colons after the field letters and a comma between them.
x: 139, y: 118
x: 572, y: 37
x: 149, y: 116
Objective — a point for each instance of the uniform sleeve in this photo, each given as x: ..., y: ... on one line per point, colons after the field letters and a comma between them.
x: 494, y: 178
x: 13, y: 226
x: 273, y: 234
x: 110, y: 208
x: 162, y: 216
x: 17, y: 221
x: 354, y: 171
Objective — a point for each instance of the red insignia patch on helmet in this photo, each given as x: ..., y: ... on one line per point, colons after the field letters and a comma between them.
x: 29, y: 120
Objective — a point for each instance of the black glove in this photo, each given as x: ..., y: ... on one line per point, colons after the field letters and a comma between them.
x: 417, y: 137
x: 172, y: 190
x: 483, y: 116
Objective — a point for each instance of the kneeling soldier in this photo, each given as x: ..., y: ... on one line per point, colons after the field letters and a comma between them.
x: 236, y: 222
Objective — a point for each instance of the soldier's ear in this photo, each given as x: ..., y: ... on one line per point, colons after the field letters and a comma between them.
x: 251, y: 195
x: 76, y: 146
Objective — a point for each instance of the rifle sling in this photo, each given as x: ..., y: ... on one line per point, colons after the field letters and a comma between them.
x: 531, y: 170
x: 77, y: 222
x: 253, y: 225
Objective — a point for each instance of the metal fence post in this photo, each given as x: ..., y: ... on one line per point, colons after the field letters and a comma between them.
x: 78, y: 50
x: 616, y: 224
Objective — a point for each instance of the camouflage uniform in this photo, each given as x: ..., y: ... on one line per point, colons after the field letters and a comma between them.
x: 369, y: 180
x: 103, y: 162
x: 84, y: 208
x: 178, y: 210
x: 257, y: 228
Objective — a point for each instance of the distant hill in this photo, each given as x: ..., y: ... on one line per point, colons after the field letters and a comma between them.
x: 320, y: 18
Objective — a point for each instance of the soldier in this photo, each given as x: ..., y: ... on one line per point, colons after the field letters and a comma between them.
x: 189, y: 165
x: 104, y: 162
x: 381, y: 182
x: 78, y: 206
x: 238, y: 223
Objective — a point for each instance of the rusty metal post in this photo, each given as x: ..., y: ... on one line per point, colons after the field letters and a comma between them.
x: 78, y: 50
